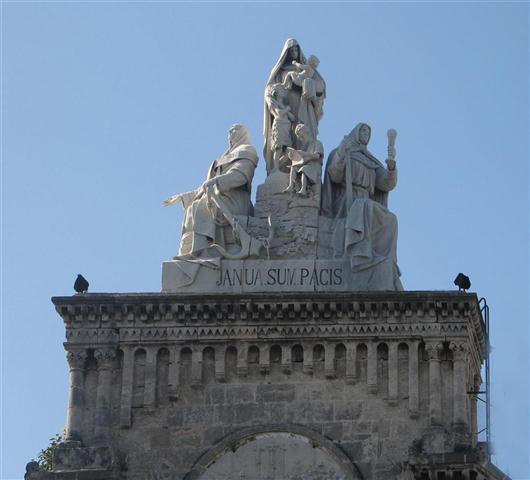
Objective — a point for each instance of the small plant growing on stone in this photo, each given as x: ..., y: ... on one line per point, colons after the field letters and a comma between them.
x: 45, y: 458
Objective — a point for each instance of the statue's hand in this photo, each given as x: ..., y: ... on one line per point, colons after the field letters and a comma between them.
x: 391, y: 164
x: 209, y: 184
x: 172, y: 200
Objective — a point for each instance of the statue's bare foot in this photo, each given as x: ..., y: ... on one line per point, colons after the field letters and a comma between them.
x: 302, y: 192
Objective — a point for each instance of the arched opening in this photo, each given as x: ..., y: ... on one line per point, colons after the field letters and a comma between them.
x: 261, y: 453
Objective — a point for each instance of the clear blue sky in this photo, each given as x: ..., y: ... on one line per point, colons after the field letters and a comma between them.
x: 108, y: 108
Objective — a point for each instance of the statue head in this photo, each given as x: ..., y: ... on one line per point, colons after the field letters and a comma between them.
x: 361, y: 134
x: 276, y: 90
x: 313, y: 61
x: 293, y: 50
x: 238, y: 135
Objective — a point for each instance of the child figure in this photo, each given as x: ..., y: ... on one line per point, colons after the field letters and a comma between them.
x: 303, y: 76
x: 306, y: 162
x: 281, y: 125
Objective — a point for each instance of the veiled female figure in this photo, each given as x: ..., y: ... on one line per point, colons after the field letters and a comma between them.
x: 301, y: 107
x: 355, y: 194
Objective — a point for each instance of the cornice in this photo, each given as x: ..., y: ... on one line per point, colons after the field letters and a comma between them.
x: 150, y: 317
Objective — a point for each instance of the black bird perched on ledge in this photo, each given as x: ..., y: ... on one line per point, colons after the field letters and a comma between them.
x: 81, y: 284
x: 462, y: 282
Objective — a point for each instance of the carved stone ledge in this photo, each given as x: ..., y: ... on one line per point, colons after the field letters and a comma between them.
x: 155, y: 308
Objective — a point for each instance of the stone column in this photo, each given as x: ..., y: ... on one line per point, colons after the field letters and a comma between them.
x: 287, y: 363
x: 351, y: 363
x: 196, y: 366
x: 473, y: 410
x: 105, y: 358
x: 434, y: 350
x: 150, y: 378
x: 393, y: 377
x: 127, y: 378
x: 460, y: 416
x: 220, y: 363
x: 264, y: 358
x: 371, y: 367
x: 76, y: 396
x: 414, y: 382
x: 308, y: 358
x: 329, y: 360
x: 242, y: 360
x: 173, y: 373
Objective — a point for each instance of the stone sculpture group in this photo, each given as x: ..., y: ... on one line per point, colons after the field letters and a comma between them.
x: 304, y: 232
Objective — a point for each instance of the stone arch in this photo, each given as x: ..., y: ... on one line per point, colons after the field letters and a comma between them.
x: 232, y: 442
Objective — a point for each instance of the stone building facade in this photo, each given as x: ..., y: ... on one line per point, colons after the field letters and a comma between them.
x: 286, y: 386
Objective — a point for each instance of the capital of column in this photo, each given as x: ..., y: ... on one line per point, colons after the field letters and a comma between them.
x: 76, y: 358
x: 459, y: 350
x: 105, y: 358
x: 434, y: 350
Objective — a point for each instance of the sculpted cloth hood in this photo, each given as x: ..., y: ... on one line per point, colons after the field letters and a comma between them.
x: 333, y: 196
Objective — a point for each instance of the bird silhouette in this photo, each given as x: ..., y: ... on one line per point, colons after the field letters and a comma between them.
x: 462, y: 282
x: 81, y: 284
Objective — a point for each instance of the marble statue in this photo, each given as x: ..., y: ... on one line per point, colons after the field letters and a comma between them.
x: 355, y: 194
x: 281, y: 127
x: 305, y: 95
x: 301, y: 234
x: 306, y: 163
x: 214, y: 212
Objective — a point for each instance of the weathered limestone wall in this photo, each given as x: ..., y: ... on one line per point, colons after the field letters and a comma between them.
x: 169, y: 384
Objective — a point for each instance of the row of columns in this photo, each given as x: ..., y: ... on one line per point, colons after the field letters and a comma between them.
x: 105, y: 358
x: 77, y: 357
x: 460, y: 411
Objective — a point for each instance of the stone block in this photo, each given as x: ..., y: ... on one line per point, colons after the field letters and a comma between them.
x: 354, y: 450
x: 333, y: 431
x: 275, y: 393
x: 249, y: 413
x: 213, y: 435
x: 347, y: 410
x: 301, y: 412
x: 159, y: 438
x: 276, y: 412
x: 215, y: 394
x: 198, y: 414
x: 382, y: 428
x: 224, y: 414
x: 239, y: 394
x: 176, y: 418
